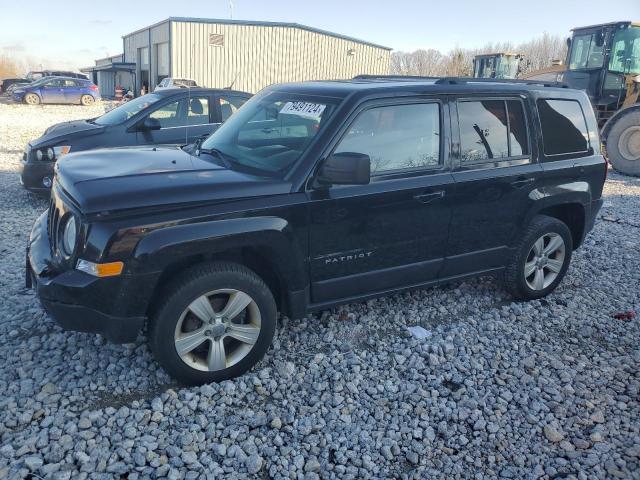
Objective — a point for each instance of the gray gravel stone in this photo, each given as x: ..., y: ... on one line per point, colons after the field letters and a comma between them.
x: 344, y: 393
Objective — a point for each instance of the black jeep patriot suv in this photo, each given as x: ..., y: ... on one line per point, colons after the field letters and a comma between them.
x: 311, y: 195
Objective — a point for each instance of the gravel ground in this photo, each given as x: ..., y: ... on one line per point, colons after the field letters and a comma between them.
x: 545, y: 389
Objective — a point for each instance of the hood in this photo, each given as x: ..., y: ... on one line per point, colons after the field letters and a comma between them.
x: 125, y: 178
x: 65, y: 130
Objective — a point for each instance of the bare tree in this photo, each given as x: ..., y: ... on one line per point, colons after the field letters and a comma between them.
x: 538, y: 53
x: 8, y: 67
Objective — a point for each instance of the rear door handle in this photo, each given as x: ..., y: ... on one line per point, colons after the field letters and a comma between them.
x: 429, y: 196
x: 522, y: 181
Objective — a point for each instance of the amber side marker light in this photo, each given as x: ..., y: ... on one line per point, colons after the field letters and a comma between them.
x: 110, y: 269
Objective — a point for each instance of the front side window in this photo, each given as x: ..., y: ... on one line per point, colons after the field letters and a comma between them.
x: 564, y: 128
x: 170, y: 115
x: 625, y: 51
x: 271, y: 132
x: 127, y: 110
x: 396, y: 137
x: 55, y: 83
x: 492, y: 130
x: 587, y: 51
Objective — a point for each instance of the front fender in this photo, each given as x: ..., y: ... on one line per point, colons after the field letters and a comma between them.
x: 272, y: 235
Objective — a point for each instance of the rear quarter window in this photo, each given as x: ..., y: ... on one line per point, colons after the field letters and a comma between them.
x: 564, y: 127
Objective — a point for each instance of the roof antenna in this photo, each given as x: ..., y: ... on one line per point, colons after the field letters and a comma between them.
x: 186, y: 130
x: 232, y: 83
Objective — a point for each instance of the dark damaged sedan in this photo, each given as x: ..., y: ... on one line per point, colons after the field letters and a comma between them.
x: 167, y: 117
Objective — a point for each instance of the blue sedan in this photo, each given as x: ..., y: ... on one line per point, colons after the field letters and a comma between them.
x: 57, y: 90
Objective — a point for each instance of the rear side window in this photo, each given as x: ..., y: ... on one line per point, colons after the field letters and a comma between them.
x: 492, y: 130
x: 397, y: 137
x: 564, y: 128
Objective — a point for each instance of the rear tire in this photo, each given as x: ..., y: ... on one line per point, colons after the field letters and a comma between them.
x: 87, y: 100
x: 32, y: 99
x: 540, y: 260
x: 217, y: 320
x: 623, y: 144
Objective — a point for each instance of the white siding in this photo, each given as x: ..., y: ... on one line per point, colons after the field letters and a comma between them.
x: 262, y: 55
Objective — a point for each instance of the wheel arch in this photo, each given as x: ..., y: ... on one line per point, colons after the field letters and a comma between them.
x: 572, y: 212
x: 265, y: 245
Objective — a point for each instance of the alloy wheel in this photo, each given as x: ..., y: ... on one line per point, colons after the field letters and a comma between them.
x: 217, y: 330
x: 544, y: 261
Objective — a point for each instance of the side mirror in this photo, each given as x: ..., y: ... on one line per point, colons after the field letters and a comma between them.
x: 345, y: 168
x: 150, y: 123
x: 568, y: 42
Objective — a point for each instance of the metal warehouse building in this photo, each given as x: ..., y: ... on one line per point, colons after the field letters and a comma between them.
x: 246, y: 55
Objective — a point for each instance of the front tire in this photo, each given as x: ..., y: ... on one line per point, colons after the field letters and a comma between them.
x: 32, y: 99
x: 623, y: 144
x: 216, y: 322
x: 540, y: 260
x: 87, y: 100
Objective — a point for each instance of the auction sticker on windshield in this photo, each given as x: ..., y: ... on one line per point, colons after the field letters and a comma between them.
x: 304, y: 109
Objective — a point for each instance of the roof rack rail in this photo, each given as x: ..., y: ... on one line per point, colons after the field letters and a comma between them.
x: 393, y: 77
x: 460, y: 80
x: 464, y: 80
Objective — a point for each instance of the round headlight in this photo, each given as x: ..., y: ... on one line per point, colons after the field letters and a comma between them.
x: 69, y: 235
x: 39, y: 154
x: 50, y: 153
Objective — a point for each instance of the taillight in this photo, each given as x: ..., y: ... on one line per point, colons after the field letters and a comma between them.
x: 93, y: 87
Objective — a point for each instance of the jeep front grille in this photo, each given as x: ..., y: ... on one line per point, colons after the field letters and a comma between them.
x: 52, y: 223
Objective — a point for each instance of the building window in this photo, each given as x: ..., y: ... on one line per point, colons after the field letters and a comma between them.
x: 216, y: 40
x: 162, y: 61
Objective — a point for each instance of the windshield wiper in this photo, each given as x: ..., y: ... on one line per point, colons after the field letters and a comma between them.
x: 217, y: 153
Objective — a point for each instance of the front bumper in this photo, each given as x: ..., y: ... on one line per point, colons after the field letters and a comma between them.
x: 114, y: 307
x: 32, y: 174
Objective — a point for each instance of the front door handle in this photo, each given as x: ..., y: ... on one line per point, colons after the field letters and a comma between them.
x: 522, y: 181
x: 429, y: 196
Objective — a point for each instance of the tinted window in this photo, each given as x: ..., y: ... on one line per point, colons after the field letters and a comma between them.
x: 483, y: 130
x: 198, y: 111
x: 396, y: 137
x: 229, y: 104
x: 564, y: 128
x: 518, y: 140
x: 492, y: 130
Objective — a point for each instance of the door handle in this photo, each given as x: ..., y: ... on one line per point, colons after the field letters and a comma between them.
x: 522, y: 181
x: 429, y: 196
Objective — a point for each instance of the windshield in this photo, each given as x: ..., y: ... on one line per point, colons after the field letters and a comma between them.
x: 507, y: 66
x: 127, y: 110
x: 625, y: 51
x: 271, y: 131
x: 587, y: 51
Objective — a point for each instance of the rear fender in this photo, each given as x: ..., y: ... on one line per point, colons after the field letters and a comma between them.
x: 576, y: 193
x: 274, y: 235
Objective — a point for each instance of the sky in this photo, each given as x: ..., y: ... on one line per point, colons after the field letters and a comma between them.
x: 73, y: 33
